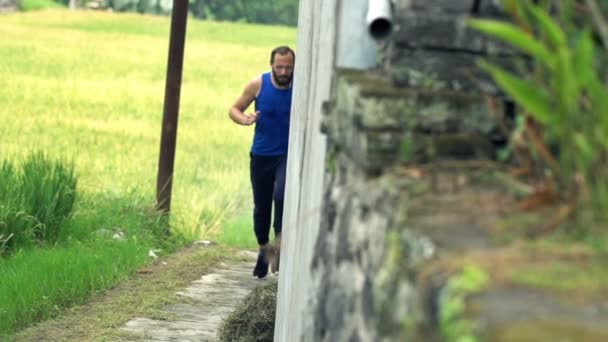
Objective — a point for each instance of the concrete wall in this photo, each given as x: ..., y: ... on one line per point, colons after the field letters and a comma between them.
x: 314, y: 65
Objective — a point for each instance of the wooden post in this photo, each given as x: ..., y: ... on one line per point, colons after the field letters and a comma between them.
x: 168, y: 139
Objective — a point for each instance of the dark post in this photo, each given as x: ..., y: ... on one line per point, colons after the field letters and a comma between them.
x: 168, y: 139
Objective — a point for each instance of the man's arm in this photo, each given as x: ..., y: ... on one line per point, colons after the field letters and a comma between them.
x: 237, y: 111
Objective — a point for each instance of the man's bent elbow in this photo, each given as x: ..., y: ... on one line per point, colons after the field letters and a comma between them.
x: 232, y: 115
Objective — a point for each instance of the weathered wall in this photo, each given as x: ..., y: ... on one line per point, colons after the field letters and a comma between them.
x: 390, y: 221
x: 409, y: 112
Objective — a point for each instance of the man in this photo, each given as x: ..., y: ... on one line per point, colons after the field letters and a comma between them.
x: 272, y: 95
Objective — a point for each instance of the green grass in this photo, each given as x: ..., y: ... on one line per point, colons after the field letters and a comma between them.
x: 88, y: 87
x: 38, y: 283
x: 142, y: 295
x: 238, y: 231
x: 36, y: 196
x: 104, y: 241
x: 36, y: 5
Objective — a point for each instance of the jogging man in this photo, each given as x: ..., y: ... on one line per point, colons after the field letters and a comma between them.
x: 272, y: 95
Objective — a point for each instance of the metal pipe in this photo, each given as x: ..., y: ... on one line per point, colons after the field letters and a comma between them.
x: 379, y: 18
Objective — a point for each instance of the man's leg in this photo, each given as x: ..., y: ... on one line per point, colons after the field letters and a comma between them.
x: 279, y: 197
x: 262, y: 183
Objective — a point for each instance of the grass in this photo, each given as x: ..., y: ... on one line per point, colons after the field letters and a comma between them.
x: 38, y: 283
x: 36, y: 5
x: 88, y: 87
x: 238, y: 231
x: 36, y: 196
x: 103, y: 242
x: 139, y: 296
x: 253, y: 319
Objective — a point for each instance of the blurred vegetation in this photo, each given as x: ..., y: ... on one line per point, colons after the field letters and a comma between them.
x: 272, y: 12
x: 561, y: 90
x: 35, y: 5
x: 282, y: 12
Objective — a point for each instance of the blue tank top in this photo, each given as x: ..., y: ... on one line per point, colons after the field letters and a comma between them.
x: 272, y: 127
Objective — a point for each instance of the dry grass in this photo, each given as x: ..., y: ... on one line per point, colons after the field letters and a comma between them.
x: 253, y: 320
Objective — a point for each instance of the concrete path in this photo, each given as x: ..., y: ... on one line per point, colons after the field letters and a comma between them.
x: 202, y: 306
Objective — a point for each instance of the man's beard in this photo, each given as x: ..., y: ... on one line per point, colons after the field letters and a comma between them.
x: 282, y: 81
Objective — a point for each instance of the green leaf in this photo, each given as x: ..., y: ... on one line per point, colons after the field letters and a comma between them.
x: 565, y: 83
x: 582, y: 59
x: 514, y: 36
x: 532, y: 97
x: 554, y: 33
x: 584, y: 147
x: 598, y: 95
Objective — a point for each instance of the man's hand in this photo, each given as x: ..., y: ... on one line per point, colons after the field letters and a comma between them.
x: 237, y: 111
x: 250, y: 119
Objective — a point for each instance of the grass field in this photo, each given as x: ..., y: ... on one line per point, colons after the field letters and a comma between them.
x: 88, y: 87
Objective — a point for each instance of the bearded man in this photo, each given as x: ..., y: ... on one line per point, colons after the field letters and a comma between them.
x: 271, y: 92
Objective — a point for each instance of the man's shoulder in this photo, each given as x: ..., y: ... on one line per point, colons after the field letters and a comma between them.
x: 254, y: 85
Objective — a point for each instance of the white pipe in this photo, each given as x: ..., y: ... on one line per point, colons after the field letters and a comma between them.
x: 356, y: 49
x: 379, y: 18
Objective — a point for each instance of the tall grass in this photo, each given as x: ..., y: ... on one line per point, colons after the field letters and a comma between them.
x: 36, y: 196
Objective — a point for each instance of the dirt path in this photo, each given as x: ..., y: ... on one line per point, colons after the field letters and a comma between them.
x: 183, y: 297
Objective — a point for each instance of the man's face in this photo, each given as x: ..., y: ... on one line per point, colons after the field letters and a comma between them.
x: 282, y: 69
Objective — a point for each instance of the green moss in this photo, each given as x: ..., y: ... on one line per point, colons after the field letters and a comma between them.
x: 454, y: 325
x: 393, y: 285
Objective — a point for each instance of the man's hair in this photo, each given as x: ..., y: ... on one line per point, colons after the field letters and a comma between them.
x: 282, y: 50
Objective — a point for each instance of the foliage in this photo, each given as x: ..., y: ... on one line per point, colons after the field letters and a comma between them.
x: 561, y: 92
x: 455, y: 327
x: 284, y: 12
x: 274, y: 12
x: 36, y: 5
x: 35, y: 199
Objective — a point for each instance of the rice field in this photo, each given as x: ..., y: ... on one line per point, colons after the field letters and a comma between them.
x: 87, y: 88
